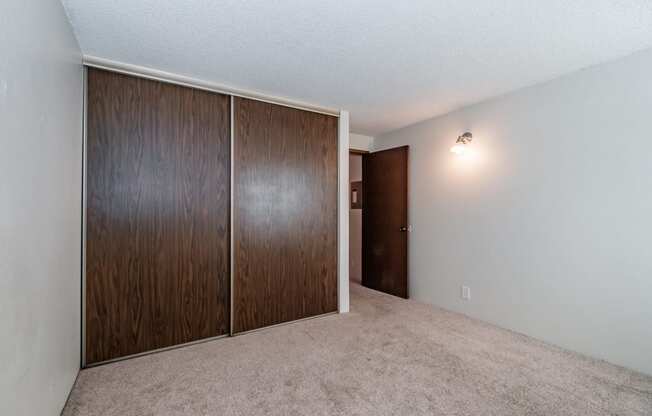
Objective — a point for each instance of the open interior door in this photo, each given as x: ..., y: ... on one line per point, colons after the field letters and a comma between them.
x: 385, y: 221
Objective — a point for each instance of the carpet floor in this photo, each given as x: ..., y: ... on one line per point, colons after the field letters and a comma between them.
x: 388, y: 356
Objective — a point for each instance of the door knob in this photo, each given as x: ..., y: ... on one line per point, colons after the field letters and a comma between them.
x: 403, y: 229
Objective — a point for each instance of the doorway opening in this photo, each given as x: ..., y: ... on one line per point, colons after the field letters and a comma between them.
x: 355, y: 216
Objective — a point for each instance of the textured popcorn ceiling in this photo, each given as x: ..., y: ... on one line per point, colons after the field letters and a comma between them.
x: 390, y: 63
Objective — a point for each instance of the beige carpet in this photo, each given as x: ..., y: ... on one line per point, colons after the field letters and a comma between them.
x: 387, y: 357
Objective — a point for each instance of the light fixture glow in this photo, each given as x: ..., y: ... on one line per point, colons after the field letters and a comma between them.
x: 458, y: 149
x: 461, y: 144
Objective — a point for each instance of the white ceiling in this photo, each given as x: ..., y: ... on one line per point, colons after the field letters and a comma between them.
x: 390, y: 63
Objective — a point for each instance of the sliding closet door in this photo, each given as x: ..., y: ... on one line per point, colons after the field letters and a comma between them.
x: 158, y: 186
x: 284, y: 214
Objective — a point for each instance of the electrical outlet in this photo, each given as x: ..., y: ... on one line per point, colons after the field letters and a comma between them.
x: 466, y: 292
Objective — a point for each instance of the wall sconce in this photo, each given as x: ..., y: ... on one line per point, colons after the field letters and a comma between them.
x: 460, y: 146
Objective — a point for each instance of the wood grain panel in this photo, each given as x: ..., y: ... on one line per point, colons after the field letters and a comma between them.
x: 385, y: 222
x: 158, y: 186
x: 284, y: 214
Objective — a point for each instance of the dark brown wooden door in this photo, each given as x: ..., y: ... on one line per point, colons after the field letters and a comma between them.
x: 284, y: 214
x: 158, y: 185
x: 384, y: 221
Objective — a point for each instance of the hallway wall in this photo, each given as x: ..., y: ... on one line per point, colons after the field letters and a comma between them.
x: 40, y: 207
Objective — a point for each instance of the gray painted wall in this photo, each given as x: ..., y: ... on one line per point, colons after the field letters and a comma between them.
x: 360, y: 141
x: 550, y: 221
x: 40, y: 199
